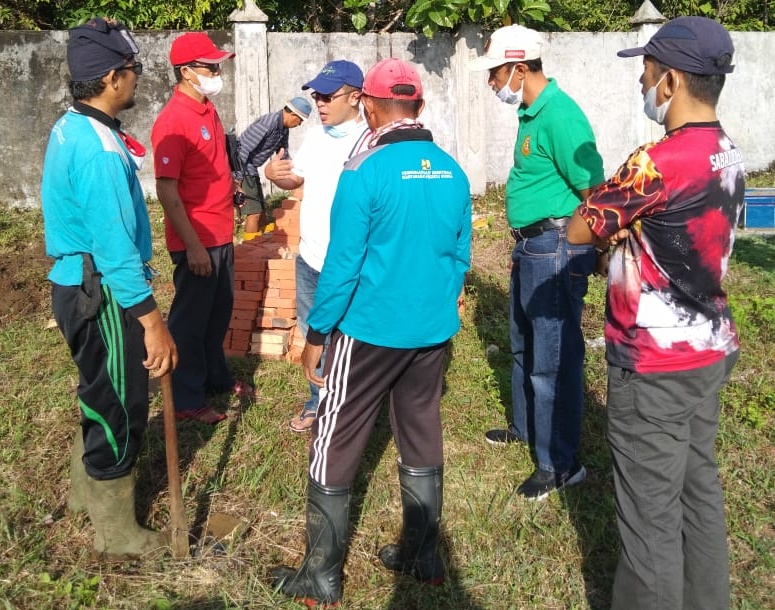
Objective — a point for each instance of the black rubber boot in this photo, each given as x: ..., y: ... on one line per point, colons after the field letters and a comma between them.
x: 319, y: 578
x: 422, y: 497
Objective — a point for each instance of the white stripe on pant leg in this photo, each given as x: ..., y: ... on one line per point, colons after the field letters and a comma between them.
x: 334, y: 397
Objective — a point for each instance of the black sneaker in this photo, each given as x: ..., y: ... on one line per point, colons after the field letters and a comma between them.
x: 542, y: 482
x: 501, y: 437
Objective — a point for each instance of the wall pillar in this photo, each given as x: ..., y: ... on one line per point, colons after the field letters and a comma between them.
x: 251, y: 83
x: 645, y: 22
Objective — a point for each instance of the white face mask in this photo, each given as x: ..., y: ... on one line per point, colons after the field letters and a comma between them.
x: 506, y: 95
x: 654, y: 112
x: 208, y: 85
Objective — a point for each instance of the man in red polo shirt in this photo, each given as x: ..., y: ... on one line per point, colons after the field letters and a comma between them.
x: 195, y: 187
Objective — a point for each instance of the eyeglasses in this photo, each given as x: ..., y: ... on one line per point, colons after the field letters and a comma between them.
x: 136, y: 67
x: 327, y: 99
x: 214, y: 68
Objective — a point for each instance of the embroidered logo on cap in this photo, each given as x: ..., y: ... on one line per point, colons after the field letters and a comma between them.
x: 514, y: 54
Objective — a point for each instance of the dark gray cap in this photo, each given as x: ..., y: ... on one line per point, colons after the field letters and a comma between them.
x: 97, y: 47
x: 693, y: 44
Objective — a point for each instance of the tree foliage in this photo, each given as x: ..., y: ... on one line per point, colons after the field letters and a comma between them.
x: 426, y: 16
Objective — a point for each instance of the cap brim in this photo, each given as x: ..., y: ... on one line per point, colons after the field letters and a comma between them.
x: 216, y: 58
x: 323, y: 85
x: 633, y: 52
x: 480, y: 64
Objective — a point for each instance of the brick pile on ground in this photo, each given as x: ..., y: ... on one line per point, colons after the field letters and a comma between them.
x: 263, y: 320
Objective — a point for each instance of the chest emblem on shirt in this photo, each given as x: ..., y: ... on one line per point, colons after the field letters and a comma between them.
x: 205, y: 133
x: 526, y: 146
x: 425, y: 164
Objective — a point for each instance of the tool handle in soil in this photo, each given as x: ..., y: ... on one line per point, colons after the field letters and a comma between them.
x: 177, y: 513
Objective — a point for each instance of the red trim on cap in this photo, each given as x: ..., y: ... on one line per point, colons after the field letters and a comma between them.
x: 514, y: 54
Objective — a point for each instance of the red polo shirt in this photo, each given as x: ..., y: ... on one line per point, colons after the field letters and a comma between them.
x: 189, y: 145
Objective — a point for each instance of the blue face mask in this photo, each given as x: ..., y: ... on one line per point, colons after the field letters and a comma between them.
x: 340, y: 131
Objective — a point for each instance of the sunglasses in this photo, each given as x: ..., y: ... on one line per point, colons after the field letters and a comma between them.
x: 136, y: 67
x: 214, y: 68
x: 327, y: 99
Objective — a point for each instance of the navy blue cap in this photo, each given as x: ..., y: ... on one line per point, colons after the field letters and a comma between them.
x: 97, y: 47
x: 693, y: 44
x: 334, y: 75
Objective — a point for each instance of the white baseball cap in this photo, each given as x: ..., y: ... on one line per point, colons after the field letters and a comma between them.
x: 508, y: 44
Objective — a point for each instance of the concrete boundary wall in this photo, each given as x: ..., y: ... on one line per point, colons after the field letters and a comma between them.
x: 464, y: 115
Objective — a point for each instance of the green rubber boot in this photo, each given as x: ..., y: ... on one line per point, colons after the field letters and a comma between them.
x: 112, y: 512
x: 77, y: 500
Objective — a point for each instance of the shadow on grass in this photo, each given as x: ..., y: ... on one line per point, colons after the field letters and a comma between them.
x: 591, y: 509
x: 491, y: 319
x: 590, y: 506
x: 408, y: 594
x: 192, y: 436
x: 755, y: 251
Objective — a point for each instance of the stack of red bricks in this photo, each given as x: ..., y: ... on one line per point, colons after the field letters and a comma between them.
x: 263, y: 320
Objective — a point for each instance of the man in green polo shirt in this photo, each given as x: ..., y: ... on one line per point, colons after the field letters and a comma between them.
x: 556, y: 165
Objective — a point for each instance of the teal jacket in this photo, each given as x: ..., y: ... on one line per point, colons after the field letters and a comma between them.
x: 93, y: 202
x: 400, y: 246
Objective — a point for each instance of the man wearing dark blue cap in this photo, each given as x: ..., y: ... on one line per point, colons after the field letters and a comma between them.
x: 264, y: 137
x: 98, y: 233
x: 670, y: 213
x: 342, y: 134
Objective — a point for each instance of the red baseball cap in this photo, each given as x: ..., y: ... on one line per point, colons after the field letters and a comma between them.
x: 386, y: 74
x: 196, y: 46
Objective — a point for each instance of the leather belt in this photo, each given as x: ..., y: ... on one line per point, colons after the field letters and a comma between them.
x: 535, y: 229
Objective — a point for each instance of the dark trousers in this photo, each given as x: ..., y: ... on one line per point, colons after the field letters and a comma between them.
x: 358, y: 376
x: 112, y: 382
x: 669, y: 503
x: 199, y: 319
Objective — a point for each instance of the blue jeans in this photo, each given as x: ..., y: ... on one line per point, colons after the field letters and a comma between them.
x: 548, y: 284
x: 306, y: 283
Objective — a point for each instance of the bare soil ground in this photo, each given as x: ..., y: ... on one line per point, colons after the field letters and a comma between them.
x: 24, y: 290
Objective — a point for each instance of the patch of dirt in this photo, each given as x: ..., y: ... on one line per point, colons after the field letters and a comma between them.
x: 24, y: 290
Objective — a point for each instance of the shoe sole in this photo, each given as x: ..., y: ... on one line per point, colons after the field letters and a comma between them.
x: 577, y: 478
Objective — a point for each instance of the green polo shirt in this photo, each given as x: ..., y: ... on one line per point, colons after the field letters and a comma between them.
x: 555, y: 157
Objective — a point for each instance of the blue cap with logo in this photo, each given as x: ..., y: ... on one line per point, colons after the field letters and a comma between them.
x: 334, y: 75
x: 693, y: 44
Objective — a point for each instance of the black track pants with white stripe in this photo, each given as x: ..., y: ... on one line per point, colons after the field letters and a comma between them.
x: 358, y: 376
x: 113, y: 383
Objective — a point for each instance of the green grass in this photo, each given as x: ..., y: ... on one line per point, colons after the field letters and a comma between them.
x: 502, y: 552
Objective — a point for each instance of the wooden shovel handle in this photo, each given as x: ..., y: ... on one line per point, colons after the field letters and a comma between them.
x: 177, y: 513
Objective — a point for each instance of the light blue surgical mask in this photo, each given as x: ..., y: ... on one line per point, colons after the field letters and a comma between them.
x: 340, y: 131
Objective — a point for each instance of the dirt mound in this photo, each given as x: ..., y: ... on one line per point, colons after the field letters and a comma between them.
x: 24, y: 290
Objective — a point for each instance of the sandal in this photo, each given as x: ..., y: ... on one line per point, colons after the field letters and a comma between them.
x: 205, y: 415
x: 303, y: 422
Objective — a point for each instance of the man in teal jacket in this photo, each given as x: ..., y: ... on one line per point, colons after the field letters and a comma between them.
x: 98, y: 233
x: 387, y: 295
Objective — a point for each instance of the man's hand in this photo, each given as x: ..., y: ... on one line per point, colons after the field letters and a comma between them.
x: 280, y: 171
x: 310, y: 359
x: 160, y: 348
x: 198, y: 259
